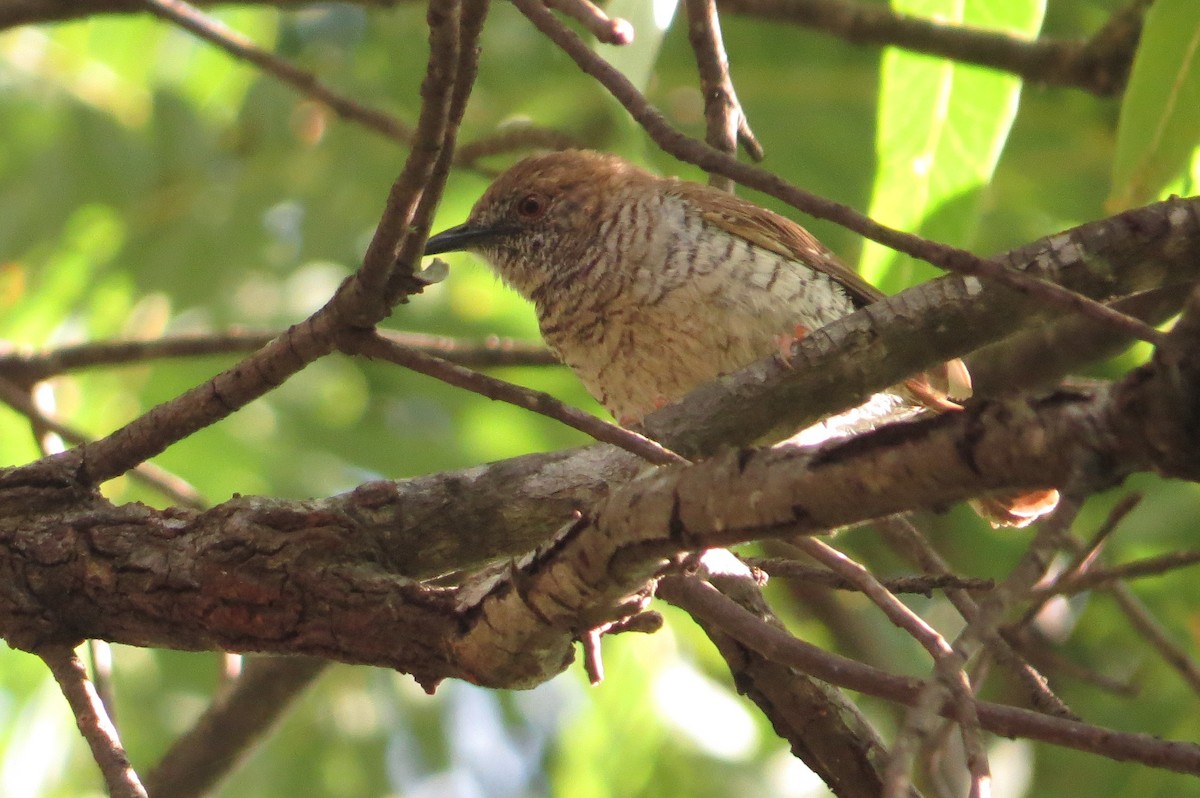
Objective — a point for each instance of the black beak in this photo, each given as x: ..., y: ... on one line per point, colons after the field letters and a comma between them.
x: 464, y: 236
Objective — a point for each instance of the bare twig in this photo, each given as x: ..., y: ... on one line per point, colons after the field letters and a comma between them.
x: 724, y: 117
x: 983, y: 627
x: 384, y: 279
x: 785, y: 568
x: 1099, y: 65
x: 371, y: 345
x: 1082, y: 558
x: 1158, y: 636
x: 172, y: 486
x: 703, y: 601
x: 905, y: 537
x: 216, y: 32
x: 608, y: 30
x: 93, y: 722
x: 27, y: 367
x: 1099, y: 577
x: 1139, y: 615
x: 948, y: 666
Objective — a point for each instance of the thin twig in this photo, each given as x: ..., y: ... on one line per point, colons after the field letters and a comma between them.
x: 1134, y: 569
x: 785, y: 568
x: 711, y: 160
x: 1139, y: 615
x: 608, y: 30
x: 362, y: 301
x: 703, y: 601
x: 1157, y: 635
x: 724, y: 118
x: 172, y: 486
x: 371, y: 345
x: 216, y: 32
x: 948, y: 667
x: 93, y: 721
x: 1099, y: 65
x: 1048, y: 658
x: 983, y: 627
x: 1082, y: 557
x: 904, y: 536
x: 27, y: 367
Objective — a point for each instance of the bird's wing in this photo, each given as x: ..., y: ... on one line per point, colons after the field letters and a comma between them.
x: 940, y: 388
x: 776, y: 233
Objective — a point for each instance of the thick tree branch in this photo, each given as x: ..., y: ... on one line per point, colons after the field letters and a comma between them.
x: 595, y: 568
x: 949, y: 317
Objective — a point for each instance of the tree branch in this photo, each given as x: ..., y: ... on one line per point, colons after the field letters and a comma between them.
x: 93, y: 722
x: 704, y: 602
x: 229, y: 726
x: 1099, y: 65
x: 217, y: 33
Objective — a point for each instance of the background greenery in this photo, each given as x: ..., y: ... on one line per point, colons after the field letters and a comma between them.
x: 150, y: 184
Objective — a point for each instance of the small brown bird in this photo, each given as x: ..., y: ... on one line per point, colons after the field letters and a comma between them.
x: 648, y: 287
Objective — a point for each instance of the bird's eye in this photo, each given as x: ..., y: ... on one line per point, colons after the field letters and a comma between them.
x: 531, y: 207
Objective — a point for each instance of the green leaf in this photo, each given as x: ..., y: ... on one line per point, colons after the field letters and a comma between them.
x: 650, y: 22
x: 1160, y: 116
x: 941, y: 129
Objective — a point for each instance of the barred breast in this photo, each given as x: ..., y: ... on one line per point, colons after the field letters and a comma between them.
x: 664, y: 301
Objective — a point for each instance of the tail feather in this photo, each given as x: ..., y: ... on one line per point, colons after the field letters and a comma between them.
x: 943, y: 389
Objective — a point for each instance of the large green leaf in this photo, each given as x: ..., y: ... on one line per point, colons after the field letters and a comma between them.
x: 941, y: 129
x: 650, y: 22
x: 1160, y: 116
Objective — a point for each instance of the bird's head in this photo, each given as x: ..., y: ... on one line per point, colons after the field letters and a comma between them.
x: 539, y: 218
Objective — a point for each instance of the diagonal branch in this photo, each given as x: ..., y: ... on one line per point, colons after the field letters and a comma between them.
x: 93, y: 722
x: 724, y: 118
x: 217, y: 33
x: 704, y: 602
x: 375, y: 346
x: 228, y: 728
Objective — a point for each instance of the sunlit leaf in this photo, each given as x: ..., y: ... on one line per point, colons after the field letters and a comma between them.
x: 1160, y: 116
x: 650, y: 21
x: 941, y: 129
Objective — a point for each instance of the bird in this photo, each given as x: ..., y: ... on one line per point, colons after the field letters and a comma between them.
x: 648, y: 286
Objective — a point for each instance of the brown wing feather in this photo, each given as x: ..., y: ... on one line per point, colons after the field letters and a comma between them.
x: 769, y: 230
x: 940, y: 388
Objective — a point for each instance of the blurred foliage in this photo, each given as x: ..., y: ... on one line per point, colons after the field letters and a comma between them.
x: 149, y: 184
